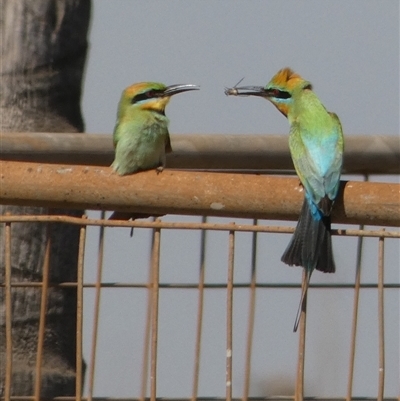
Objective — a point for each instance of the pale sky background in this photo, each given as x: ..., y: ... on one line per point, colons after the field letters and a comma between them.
x: 349, y: 50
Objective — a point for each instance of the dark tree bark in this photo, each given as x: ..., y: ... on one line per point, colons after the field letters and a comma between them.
x: 43, y: 49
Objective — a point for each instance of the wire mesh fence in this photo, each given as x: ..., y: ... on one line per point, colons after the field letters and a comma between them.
x: 193, y: 307
x: 160, y: 336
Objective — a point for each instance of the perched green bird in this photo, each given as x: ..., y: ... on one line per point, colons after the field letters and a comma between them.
x: 316, y: 145
x: 141, y: 137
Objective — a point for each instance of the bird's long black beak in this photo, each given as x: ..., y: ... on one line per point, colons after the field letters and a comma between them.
x: 246, y: 91
x: 175, y: 89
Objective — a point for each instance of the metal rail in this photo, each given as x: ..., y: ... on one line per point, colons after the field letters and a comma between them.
x: 364, y: 154
x: 154, y: 286
x: 191, y: 193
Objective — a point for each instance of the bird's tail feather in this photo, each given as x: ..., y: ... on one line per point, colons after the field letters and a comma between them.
x: 303, y: 300
x: 127, y: 216
x: 311, y: 244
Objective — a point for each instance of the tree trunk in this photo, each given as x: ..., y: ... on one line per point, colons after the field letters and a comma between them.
x: 43, y: 49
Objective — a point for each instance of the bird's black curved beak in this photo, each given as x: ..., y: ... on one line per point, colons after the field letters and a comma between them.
x: 246, y: 91
x: 175, y: 89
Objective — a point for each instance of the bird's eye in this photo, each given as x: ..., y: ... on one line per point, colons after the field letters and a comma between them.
x: 144, y: 96
x: 279, y: 94
x: 275, y: 92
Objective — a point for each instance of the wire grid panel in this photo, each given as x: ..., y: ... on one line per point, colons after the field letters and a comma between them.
x: 224, y: 329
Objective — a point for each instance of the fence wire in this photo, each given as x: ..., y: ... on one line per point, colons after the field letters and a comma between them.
x: 150, y: 374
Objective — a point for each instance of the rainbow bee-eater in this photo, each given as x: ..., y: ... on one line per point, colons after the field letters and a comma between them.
x: 141, y: 137
x: 316, y: 145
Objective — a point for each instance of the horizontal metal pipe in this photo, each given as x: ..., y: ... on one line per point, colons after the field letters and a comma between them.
x: 184, y: 192
x: 381, y: 232
x: 364, y: 154
x: 34, y: 284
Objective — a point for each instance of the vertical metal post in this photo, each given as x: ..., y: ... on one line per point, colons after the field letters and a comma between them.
x: 229, y: 318
x: 9, y: 347
x: 252, y: 309
x: 79, y: 315
x: 42, y: 318
x: 381, y: 384
x: 147, y: 332
x: 302, y: 345
x: 154, y: 318
x: 355, y: 317
x: 96, y: 313
x: 200, y: 304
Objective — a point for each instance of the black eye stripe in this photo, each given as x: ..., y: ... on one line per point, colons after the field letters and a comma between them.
x: 152, y: 93
x: 279, y: 94
x: 284, y: 95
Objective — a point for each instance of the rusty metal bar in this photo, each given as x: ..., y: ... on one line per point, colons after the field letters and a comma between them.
x: 360, y: 241
x: 374, y: 154
x: 96, y: 312
x: 229, y: 316
x: 182, y: 192
x: 8, y: 317
x: 200, y: 305
x: 146, y: 348
x: 154, y: 319
x: 357, y: 287
x: 381, y: 382
x: 147, y: 330
x: 42, y: 317
x: 188, y: 226
x: 28, y: 284
x: 79, y: 315
x: 256, y: 398
x: 299, y: 392
x: 251, y: 319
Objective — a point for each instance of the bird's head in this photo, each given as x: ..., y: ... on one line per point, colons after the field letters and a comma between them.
x: 281, y: 90
x: 152, y: 96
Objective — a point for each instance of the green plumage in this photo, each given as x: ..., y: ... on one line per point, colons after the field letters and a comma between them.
x: 141, y: 142
x: 316, y: 145
x: 141, y: 138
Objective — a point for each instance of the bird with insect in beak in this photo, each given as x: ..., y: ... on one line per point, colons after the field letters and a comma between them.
x: 141, y: 137
x: 316, y: 145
